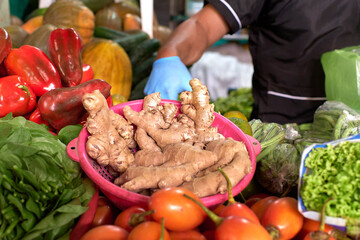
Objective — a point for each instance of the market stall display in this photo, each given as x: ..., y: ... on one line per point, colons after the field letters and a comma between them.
x: 83, y: 153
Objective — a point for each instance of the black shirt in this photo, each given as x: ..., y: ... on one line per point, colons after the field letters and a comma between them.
x: 286, y: 40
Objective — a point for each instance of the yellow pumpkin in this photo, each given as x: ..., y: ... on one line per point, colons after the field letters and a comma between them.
x: 125, y: 6
x: 111, y: 63
x: 131, y: 22
x: 71, y: 14
x: 32, y: 24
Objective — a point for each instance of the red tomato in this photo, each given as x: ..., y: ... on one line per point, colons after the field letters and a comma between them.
x: 209, y: 224
x: 260, y: 206
x: 187, y: 235
x: 128, y: 218
x: 179, y: 212
x: 283, y: 216
x: 251, y: 201
x: 238, y: 228
x: 104, y: 201
x: 254, y: 198
x: 106, y: 232
x: 317, y: 235
x: 103, y: 216
x: 209, y: 234
x: 148, y: 230
x: 218, y: 209
x: 241, y: 210
x: 105, y: 212
x: 310, y: 225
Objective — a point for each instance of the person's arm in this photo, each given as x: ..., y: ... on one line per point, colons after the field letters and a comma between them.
x: 191, y: 38
x: 187, y: 43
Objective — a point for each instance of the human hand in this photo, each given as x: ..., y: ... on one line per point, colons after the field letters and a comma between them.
x: 170, y: 77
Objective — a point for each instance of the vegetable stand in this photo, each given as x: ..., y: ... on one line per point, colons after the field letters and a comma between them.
x: 123, y: 198
x: 44, y: 194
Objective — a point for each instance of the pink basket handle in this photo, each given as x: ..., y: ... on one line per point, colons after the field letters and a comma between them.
x: 84, y: 223
x: 255, y: 143
x: 72, y: 151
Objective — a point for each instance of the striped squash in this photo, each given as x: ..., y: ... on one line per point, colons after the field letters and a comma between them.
x: 111, y: 63
x: 108, y: 17
x: 39, y: 38
x: 71, y: 14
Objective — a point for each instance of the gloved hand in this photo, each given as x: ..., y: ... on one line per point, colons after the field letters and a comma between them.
x: 170, y: 77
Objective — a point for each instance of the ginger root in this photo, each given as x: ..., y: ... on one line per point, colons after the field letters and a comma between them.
x: 196, y: 105
x: 174, y: 148
x: 178, y: 166
x: 193, y: 126
x: 155, y: 119
x: 233, y: 159
x: 184, y: 150
x: 111, y: 136
x: 188, y: 166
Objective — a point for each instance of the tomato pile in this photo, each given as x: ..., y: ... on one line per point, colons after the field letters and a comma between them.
x: 177, y: 214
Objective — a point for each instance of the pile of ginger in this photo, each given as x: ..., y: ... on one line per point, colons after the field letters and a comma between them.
x: 163, y: 146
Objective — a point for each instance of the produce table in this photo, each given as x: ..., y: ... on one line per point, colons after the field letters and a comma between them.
x: 84, y: 154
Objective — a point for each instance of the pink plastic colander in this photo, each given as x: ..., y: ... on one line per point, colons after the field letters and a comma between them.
x: 123, y: 198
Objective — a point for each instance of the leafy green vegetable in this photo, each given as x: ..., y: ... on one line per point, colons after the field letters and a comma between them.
x: 60, y: 217
x: 353, y: 227
x: 39, y: 183
x: 68, y: 133
x: 269, y: 136
x: 278, y: 171
x: 333, y: 171
x: 238, y: 100
x: 334, y: 120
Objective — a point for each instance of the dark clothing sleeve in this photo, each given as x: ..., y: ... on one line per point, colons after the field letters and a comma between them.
x: 238, y: 13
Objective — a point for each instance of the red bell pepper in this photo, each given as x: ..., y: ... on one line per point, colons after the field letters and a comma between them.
x: 5, y: 44
x: 36, y: 117
x: 34, y: 67
x: 63, y: 106
x: 3, y: 72
x: 15, y: 96
x: 64, y: 47
x: 88, y: 73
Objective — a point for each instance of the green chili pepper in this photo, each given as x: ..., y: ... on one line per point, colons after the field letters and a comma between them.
x: 19, y: 232
x: 2, y: 229
x: 32, y: 206
x: 11, y: 227
x: 29, y: 219
x: 9, y: 213
x: 28, y: 176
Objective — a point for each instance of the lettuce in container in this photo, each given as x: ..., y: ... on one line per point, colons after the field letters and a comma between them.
x: 332, y: 170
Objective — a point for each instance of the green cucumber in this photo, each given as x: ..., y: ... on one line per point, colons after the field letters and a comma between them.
x: 125, y: 40
x: 108, y: 33
x: 143, y: 51
x: 35, y: 13
x: 131, y: 41
x: 138, y: 91
x: 142, y: 70
x: 96, y: 5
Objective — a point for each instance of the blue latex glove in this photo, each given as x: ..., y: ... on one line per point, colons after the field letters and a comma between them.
x: 170, y: 77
